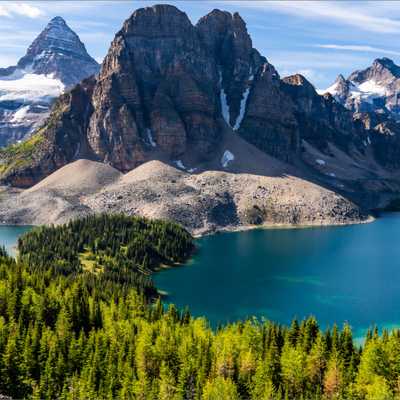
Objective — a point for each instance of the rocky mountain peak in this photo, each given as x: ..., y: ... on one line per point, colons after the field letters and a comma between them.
x: 380, y: 64
x: 59, y: 51
x: 382, y: 70
x: 372, y: 89
x: 223, y: 31
x: 58, y: 21
x: 298, y: 80
x: 159, y: 20
x: 55, y: 60
x: 340, y: 79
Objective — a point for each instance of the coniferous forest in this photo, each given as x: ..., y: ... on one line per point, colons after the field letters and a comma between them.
x: 80, y: 319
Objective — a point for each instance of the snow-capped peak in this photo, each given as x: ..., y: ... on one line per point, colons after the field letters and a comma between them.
x: 58, y: 51
x: 55, y: 60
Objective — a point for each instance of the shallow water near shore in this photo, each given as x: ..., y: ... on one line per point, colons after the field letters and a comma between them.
x: 338, y: 274
x: 9, y: 235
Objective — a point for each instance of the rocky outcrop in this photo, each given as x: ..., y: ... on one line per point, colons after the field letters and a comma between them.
x: 55, y: 61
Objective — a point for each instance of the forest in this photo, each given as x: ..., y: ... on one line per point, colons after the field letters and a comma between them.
x: 117, y: 247
x: 73, y: 329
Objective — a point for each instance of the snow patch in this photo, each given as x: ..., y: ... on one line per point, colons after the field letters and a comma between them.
x: 20, y: 114
x: 320, y: 162
x: 179, y: 164
x: 224, y: 102
x: 191, y: 170
x: 333, y: 90
x: 333, y: 175
x: 368, y: 140
x: 78, y: 149
x: 366, y: 91
x: 243, y: 104
x: 371, y: 87
x: 251, y: 74
x: 265, y: 67
x: 150, y: 138
x: 227, y: 157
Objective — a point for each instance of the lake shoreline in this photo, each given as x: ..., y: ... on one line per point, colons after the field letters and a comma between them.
x: 319, y: 224
x: 243, y: 228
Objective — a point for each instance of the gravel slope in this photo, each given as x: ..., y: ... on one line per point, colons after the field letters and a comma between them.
x: 203, y: 202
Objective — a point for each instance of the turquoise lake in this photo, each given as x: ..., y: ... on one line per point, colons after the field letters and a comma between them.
x: 9, y: 235
x: 338, y: 274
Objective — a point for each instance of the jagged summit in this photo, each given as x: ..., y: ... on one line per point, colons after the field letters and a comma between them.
x: 59, y: 51
x: 58, y: 21
x: 374, y: 88
x: 382, y: 70
x: 155, y: 20
x: 340, y: 79
x: 386, y: 63
x: 56, y: 60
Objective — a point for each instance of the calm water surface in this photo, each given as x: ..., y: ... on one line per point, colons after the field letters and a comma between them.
x: 338, y: 274
x: 9, y: 235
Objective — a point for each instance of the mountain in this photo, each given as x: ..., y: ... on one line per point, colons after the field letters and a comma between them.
x: 372, y: 89
x: 194, y: 97
x: 55, y: 61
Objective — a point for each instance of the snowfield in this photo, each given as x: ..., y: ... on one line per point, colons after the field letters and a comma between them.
x: 366, y: 91
x: 30, y: 88
x: 227, y: 157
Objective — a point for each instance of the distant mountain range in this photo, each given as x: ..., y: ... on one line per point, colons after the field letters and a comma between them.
x: 375, y: 88
x: 186, y: 94
x: 55, y: 61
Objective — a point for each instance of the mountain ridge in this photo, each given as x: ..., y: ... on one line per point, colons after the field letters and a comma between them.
x: 373, y: 88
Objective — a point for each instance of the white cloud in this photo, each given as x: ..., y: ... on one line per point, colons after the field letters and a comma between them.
x: 10, y: 9
x: 368, y: 49
x: 368, y: 16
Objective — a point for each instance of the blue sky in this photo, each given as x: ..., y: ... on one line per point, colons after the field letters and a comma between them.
x: 319, y: 39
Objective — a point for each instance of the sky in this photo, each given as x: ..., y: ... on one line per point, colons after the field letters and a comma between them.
x: 318, y: 39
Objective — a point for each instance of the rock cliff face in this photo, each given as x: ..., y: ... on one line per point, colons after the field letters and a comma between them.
x: 170, y: 90
x: 56, y: 60
x: 157, y: 88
